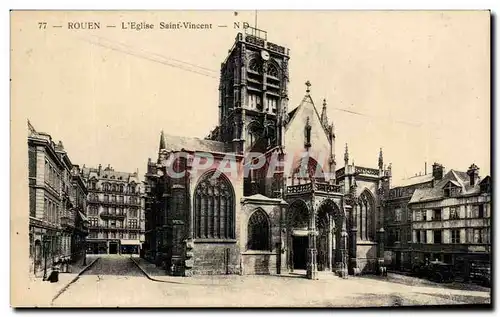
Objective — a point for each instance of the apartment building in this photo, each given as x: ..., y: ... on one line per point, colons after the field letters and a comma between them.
x: 452, y: 220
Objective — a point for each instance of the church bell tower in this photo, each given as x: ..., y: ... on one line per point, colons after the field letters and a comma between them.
x: 253, y: 93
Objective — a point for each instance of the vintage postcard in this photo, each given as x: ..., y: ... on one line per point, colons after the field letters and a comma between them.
x: 250, y: 158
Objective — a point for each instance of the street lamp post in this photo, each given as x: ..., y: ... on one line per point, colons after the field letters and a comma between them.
x: 84, y: 253
x: 45, y: 251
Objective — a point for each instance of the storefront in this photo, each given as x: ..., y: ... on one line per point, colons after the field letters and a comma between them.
x: 97, y: 247
x: 130, y: 246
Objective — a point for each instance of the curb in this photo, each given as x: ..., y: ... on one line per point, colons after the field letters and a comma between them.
x: 172, y: 282
x: 62, y: 290
x: 152, y: 278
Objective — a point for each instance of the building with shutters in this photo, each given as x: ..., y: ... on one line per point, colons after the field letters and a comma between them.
x: 115, y: 211
x: 451, y: 222
x: 311, y: 219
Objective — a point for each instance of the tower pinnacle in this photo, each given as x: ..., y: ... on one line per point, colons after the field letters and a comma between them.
x: 162, y: 141
x: 346, y: 155
x: 380, y: 160
x: 324, y: 116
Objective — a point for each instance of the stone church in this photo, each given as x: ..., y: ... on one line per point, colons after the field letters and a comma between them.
x: 317, y: 217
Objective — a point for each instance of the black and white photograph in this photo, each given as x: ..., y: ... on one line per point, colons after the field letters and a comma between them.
x: 251, y: 159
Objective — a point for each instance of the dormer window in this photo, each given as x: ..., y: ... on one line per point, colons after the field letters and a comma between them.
x: 485, y: 185
x: 451, y: 190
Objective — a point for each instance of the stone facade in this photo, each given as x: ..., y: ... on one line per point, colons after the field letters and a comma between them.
x: 115, y: 211
x: 398, y: 221
x: 439, y: 216
x: 305, y: 216
x: 57, y: 222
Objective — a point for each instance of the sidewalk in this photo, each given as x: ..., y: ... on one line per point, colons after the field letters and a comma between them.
x: 42, y: 293
x: 159, y: 275
x: 416, y: 281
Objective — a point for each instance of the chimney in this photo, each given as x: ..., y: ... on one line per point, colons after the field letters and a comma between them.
x: 425, y: 169
x: 473, y: 173
x: 437, y: 171
x: 100, y: 167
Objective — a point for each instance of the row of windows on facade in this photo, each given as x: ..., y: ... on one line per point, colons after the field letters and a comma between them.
x: 214, y: 215
x: 57, y: 246
x: 112, y: 235
x: 453, y: 236
x: 52, y: 176
x: 476, y: 211
x: 113, y: 199
x: 255, y: 102
x: 132, y: 223
x: 256, y: 65
x: 398, y: 215
x: 394, y: 236
x: 113, y: 187
x: 51, y: 211
x: 94, y: 211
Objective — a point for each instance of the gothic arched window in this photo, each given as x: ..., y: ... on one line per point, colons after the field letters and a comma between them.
x: 272, y: 70
x: 106, y: 186
x: 258, y: 231
x: 255, y: 66
x: 214, y: 207
x: 367, y: 216
x: 254, y: 131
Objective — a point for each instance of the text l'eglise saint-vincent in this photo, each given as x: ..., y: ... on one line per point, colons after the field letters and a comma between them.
x: 166, y: 26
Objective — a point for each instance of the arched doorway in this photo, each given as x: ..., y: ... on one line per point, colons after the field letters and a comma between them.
x: 297, y: 235
x: 330, y: 225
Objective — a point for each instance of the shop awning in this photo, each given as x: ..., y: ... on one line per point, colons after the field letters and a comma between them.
x: 130, y: 242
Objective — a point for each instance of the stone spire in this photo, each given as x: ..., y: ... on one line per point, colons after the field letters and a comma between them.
x: 346, y: 155
x: 324, y: 117
x: 162, y: 141
x: 380, y: 160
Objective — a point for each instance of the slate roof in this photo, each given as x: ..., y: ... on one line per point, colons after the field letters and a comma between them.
x: 292, y: 113
x: 413, y: 180
x: 87, y: 173
x: 177, y: 143
x: 458, y: 178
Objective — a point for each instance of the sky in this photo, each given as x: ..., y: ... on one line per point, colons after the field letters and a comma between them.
x: 416, y: 84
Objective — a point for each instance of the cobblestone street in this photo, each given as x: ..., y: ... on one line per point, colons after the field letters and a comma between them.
x: 117, y: 281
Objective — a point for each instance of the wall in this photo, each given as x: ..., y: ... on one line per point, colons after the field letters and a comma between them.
x: 294, y: 136
x: 366, y: 255
x: 257, y: 261
x: 209, y: 256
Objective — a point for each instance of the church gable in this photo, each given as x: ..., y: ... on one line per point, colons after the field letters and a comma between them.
x: 305, y: 115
